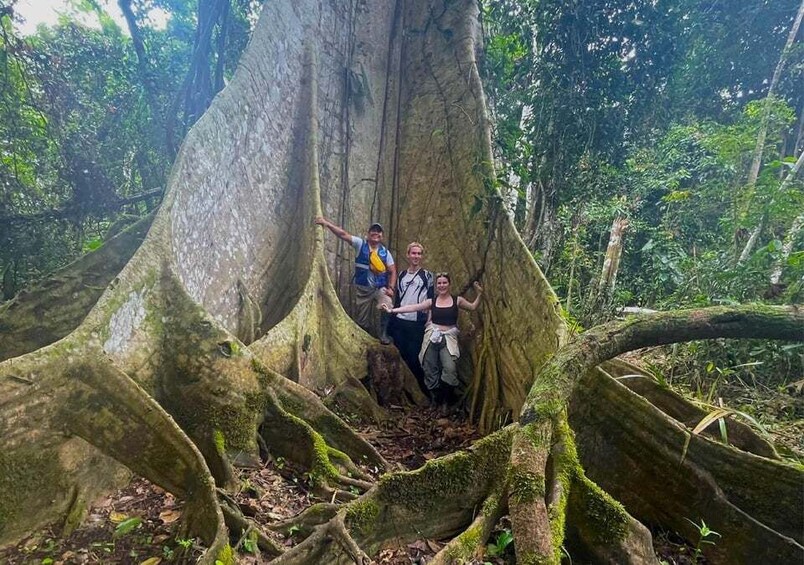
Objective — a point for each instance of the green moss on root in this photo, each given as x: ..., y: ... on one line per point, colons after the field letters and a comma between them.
x: 220, y: 442
x: 468, y: 542
x: 569, y: 468
x: 448, y: 476
x: 526, y: 486
x: 225, y: 556
x: 361, y: 515
x: 606, y: 517
x: 534, y: 559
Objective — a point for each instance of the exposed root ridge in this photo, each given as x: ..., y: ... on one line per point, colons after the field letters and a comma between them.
x: 286, y: 435
x: 311, y: 550
x: 471, y: 543
x: 241, y: 526
x: 306, y: 521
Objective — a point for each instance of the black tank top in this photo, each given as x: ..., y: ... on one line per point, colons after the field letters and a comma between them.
x: 447, y: 316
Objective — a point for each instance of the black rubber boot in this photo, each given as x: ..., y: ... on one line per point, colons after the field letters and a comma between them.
x: 433, y: 395
x: 447, y: 398
x: 385, y: 339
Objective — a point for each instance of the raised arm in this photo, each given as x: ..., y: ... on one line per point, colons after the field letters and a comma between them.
x: 465, y: 304
x: 420, y: 307
x: 337, y: 230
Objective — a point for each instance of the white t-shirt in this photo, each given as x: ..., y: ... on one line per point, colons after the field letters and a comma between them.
x: 413, y: 288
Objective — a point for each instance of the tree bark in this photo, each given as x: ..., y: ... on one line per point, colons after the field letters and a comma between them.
x: 224, y: 331
x: 756, y: 162
x: 611, y: 263
x: 757, y: 231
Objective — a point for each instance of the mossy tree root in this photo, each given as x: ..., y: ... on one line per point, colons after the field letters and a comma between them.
x: 529, y: 513
x: 76, y: 405
x: 304, y: 523
x: 470, y: 545
x: 459, y: 493
x: 591, y: 521
x: 241, y: 526
x: 542, y: 416
x: 330, y: 472
x: 318, y: 547
x: 601, y: 531
x: 307, y: 406
x: 675, y: 476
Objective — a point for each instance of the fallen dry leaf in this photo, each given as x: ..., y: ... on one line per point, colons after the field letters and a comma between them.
x: 169, y: 516
x: 117, y: 517
x: 418, y: 544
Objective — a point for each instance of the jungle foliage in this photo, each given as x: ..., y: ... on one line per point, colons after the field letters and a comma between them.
x: 649, y: 111
x: 189, y: 363
x: 648, y: 114
x: 91, y: 115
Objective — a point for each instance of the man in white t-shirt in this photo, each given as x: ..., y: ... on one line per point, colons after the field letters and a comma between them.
x: 375, y: 275
x: 414, y: 285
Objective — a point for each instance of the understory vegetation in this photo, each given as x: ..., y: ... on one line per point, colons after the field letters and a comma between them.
x: 626, y: 134
x: 92, y: 111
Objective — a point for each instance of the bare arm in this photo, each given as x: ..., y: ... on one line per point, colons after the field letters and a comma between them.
x: 465, y: 304
x: 337, y: 230
x: 420, y: 307
x: 391, y: 280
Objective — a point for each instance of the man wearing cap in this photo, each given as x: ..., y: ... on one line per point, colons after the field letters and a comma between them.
x: 375, y: 274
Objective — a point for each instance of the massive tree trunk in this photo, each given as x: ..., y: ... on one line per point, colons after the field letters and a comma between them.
x: 227, y: 327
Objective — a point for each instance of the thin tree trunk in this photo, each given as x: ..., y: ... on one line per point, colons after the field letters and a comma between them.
x: 787, y: 249
x: 611, y: 264
x: 142, y: 56
x: 751, y: 243
x: 799, y: 145
x: 756, y: 162
x: 220, y: 63
x: 752, y: 240
x: 795, y: 228
x: 575, y: 246
x: 753, y: 173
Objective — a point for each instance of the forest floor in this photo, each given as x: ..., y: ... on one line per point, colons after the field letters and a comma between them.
x: 138, y: 523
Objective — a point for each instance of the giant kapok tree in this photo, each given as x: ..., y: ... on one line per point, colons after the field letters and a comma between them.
x: 214, y: 332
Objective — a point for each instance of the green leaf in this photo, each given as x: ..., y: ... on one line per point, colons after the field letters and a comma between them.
x: 127, y: 526
x: 709, y: 418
